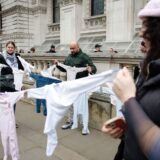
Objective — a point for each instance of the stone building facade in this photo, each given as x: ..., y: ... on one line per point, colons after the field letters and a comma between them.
x: 40, y: 23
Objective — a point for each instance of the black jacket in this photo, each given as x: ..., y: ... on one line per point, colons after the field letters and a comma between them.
x: 6, y: 75
x: 148, y: 98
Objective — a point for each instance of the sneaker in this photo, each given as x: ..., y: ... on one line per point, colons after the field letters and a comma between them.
x: 67, y: 125
x: 85, y: 132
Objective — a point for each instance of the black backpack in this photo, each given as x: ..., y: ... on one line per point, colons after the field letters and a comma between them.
x: 6, y: 76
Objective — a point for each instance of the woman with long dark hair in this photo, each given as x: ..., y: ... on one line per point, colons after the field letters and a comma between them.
x: 141, y: 107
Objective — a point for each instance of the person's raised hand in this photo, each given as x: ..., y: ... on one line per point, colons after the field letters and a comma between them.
x: 123, y: 85
x: 55, y: 61
x: 89, y: 68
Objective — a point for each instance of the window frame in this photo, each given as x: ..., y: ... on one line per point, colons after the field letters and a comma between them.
x: 95, y: 12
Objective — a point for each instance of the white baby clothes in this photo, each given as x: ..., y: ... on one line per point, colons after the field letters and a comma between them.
x: 48, y: 72
x: 72, y: 71
x: 114, y: 100
x: 61, y: 96
x: 7, y: 124
x: 18, y: 78
x: 27, y: 66
x: 80, y: 106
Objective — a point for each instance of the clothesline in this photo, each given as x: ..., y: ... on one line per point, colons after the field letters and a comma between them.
x: 59, y: 98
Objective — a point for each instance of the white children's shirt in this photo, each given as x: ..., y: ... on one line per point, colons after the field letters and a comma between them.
x: 60, y: 97
x: 7, y: 124
x: 72, y: 71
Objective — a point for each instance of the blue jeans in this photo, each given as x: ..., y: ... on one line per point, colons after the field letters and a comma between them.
x: 38, y: 106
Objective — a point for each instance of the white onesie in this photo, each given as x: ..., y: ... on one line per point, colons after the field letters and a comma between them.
x: 18, y: 78
x: 60, y: 97
x: 80, y: 106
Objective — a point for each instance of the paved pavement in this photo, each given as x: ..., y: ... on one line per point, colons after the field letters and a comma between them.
x: 72, y: 145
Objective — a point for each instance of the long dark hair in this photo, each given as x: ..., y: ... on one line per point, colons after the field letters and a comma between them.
x: 152, y: 34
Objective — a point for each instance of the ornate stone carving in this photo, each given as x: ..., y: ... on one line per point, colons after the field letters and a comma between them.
x: 68, y: 2
x: 96, y: 21
x: 55, y: 27
x: 17, y: 36
x: 17, y: 9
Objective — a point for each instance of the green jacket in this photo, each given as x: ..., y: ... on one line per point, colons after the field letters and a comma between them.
x: 80, y: 59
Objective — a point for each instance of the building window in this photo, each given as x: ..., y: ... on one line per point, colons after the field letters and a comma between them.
x: 97, y: 7
x: 56, y: 11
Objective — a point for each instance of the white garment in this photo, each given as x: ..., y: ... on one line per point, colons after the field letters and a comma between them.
x: 80, y: 106
x: 72, y: 71
x: 18, y: 78
x: 7, y: 124
x: 114, y: 99
x: 60, y: 97
x: 27, y: 66
x: 48, y: 72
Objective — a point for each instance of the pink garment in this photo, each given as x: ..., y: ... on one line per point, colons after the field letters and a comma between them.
x: 7, y: 124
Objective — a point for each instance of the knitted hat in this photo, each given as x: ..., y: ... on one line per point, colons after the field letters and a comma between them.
x: 152, y: 9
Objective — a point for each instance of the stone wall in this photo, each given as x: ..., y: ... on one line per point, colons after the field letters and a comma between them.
x: 100, y: 108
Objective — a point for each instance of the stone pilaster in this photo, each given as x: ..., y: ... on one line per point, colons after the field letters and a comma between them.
x: 50, y: 11
x: 119, y: 20
x: 70, y: 22
x: 40, y: 21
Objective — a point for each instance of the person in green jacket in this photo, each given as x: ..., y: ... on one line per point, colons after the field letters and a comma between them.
x: 77, y: 58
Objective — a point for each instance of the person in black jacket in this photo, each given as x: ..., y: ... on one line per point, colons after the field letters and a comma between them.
x: 77, y: 58
x: 6, y: 76
x: 11, y: 58
x: 141, y: 107
x: 52, y: 49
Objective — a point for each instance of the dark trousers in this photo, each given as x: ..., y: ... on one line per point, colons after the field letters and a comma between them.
x: 40, y: 102
x: 120, y: 151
